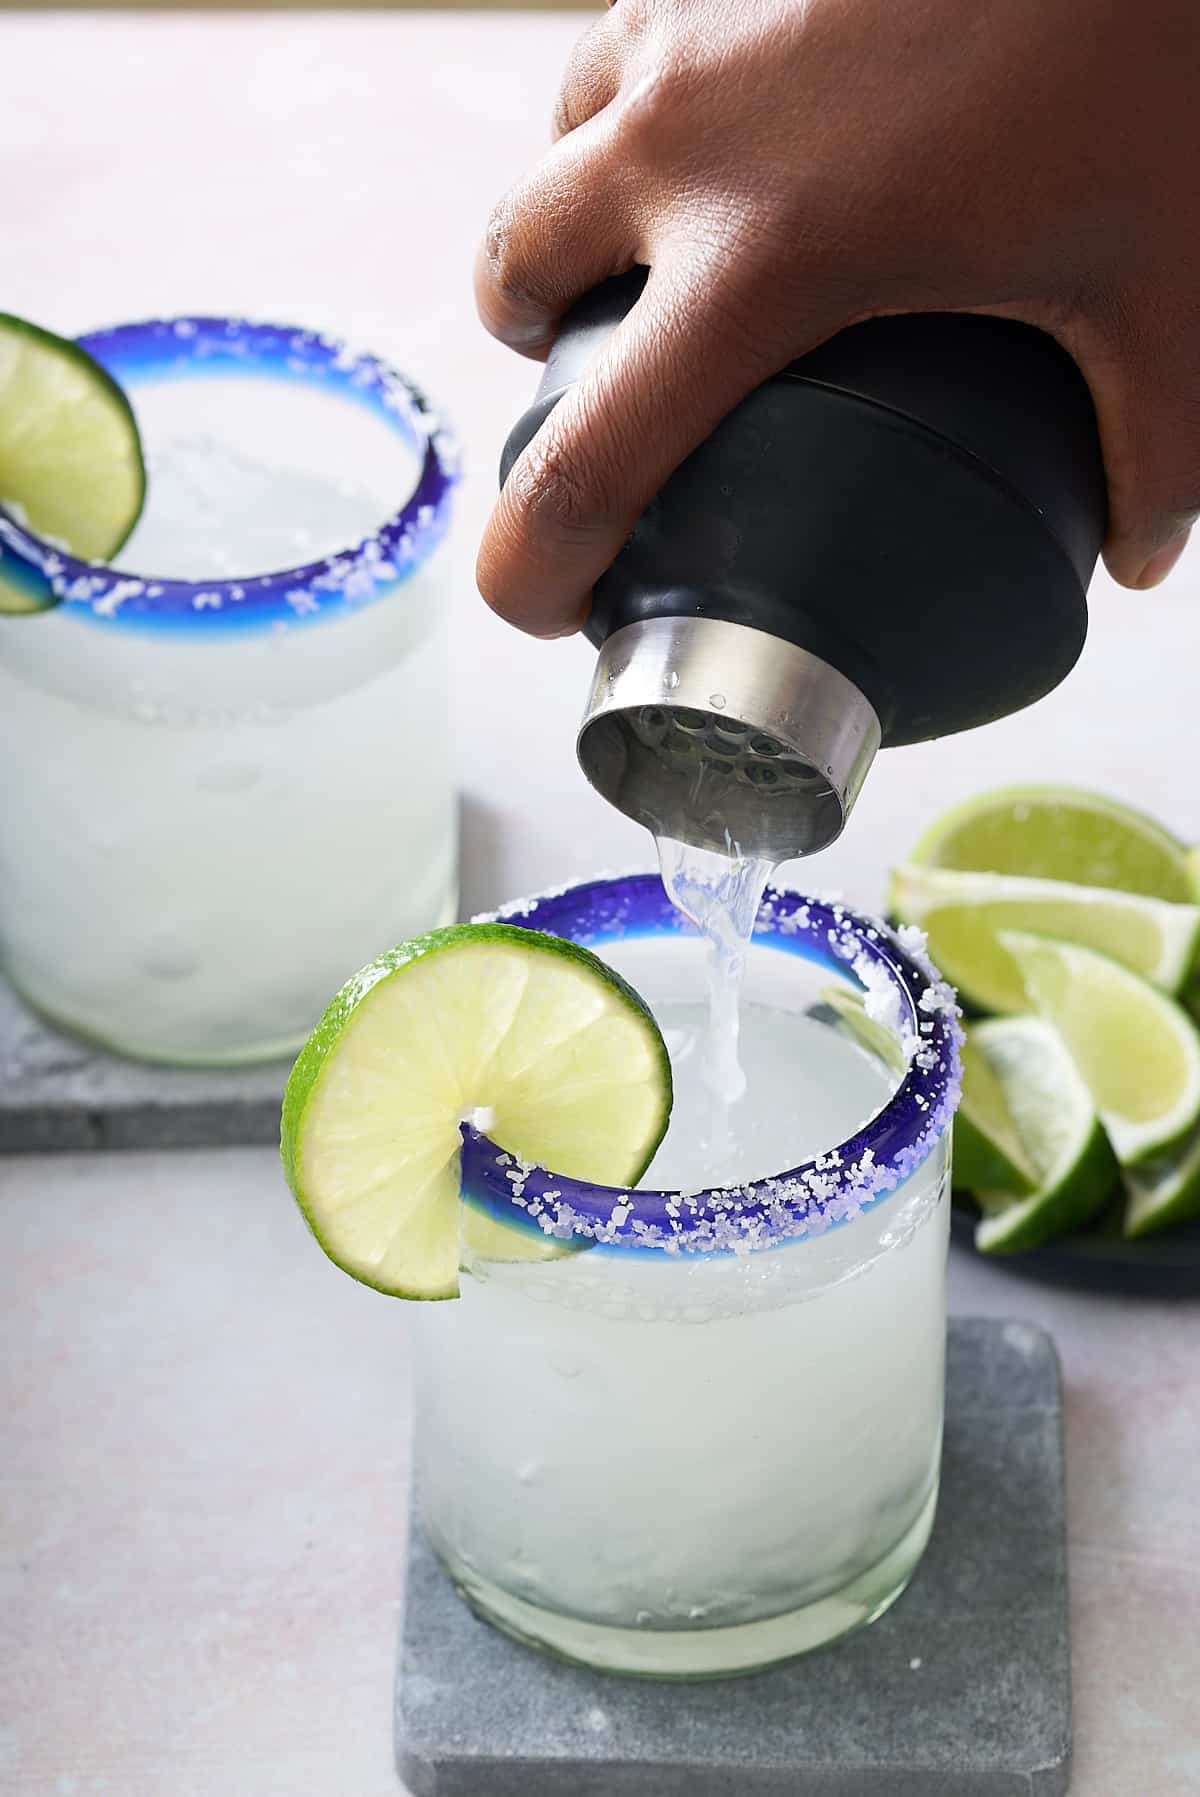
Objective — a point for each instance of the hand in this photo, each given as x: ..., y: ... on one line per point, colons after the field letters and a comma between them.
x: 788, y: 167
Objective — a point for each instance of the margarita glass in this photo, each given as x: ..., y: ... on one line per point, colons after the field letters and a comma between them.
x: 705, y: 1436
x: 234, y: 780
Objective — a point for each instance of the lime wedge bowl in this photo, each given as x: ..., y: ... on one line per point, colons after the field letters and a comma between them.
x: 1070, y: 924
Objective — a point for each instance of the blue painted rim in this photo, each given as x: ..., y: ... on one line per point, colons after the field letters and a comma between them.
x: 193, y: 348
x: 803, y: 1201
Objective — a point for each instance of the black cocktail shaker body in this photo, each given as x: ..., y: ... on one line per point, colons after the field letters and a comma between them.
x: 889, y: 541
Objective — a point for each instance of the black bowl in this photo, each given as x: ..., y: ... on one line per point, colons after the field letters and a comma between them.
x: 1157, y: 1266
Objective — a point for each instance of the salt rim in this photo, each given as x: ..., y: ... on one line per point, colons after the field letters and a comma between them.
x: 360, y: 575
x: 902, y: 989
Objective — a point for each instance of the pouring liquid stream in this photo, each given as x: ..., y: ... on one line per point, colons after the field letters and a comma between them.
x: 720, y: 894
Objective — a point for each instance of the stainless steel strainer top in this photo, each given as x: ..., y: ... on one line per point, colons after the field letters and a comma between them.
x: 718, y: 734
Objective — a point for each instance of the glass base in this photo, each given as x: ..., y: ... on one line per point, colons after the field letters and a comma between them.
x: 706, y: 1653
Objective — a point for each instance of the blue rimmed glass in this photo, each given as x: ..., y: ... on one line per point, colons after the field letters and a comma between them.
x: 232, y: 788
x: 702, y: 1433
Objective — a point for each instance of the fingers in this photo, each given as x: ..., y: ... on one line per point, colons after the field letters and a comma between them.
x: 553, y: 237
x: 1152, y: 464
x: 565, y: 228
x: 1160, y: 564
x: 1141, y: 550
x: 1140, y: 377
x: 676, y: 365
x: 592, y: 78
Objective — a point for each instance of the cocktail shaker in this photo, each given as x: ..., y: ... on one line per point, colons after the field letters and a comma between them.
x: 889, y: 541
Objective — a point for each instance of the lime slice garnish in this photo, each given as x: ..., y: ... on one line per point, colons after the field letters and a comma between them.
x: 71, y: 465
x: 561, y: 1057
x: 1051, y: 1125
x: 1059, y: 833
x: 1163, y: 1192
x: 1137, y: 1050
x: 962, y: 914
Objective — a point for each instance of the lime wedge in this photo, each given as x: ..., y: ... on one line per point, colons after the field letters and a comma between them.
x: 1193, y: 868
x: 962, y: 914
x: 1163, y: 1192
x: 1050, y: 1120
x: 870, y: 1034
x: 1137, y: 1050
x: 561, y: 1056
x: 1190, y: 996
x: 1059, y: 833
x: 71, y: 465
x: 989, y: 1155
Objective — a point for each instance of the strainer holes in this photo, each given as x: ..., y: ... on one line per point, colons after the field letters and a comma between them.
x: 761, y: 774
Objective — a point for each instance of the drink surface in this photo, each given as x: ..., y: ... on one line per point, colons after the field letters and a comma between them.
x: 219, y: 823
x: 246, y: 477
x: 805, y: 1088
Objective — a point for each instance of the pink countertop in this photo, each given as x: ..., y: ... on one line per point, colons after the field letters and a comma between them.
x: 204, y: 1430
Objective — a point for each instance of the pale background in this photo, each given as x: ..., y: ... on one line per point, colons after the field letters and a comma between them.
x: 204, y: 1427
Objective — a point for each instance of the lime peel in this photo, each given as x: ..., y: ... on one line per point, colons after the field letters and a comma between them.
x: 1163, y: 1192
x: 1061, y: 1137
x: 71, y: 466
x: 539, y: 1030
x: 989, y: 1155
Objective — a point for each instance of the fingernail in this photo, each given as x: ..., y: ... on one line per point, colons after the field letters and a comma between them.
x: 1160, y: 565
x: 556, y: 636
x: 571, y: 628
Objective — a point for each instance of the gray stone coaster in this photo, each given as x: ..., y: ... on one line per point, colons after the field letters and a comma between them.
x: 962, y: 1690
x: 59, y: 1093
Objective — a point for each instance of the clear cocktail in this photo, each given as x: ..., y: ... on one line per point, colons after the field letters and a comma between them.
x: 706, y: 1436
x: 235, y: 776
